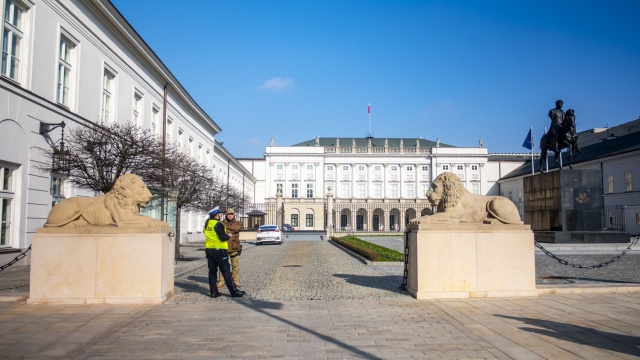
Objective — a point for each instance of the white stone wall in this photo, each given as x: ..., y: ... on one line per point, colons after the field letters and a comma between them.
x: 100, y: 39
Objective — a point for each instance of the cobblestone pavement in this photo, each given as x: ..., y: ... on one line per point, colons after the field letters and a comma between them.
x: 302, y: 270
x: 311, y: 300
x: 256, y: 268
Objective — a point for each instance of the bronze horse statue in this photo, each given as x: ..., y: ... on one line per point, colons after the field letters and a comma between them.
x: 567, y: 139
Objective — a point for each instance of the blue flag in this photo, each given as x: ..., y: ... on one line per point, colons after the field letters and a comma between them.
x: 528, y: 142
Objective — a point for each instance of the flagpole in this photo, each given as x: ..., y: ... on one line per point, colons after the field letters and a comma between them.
x: 547, y: 156
x: 531, y: 130
x: 369, y: 114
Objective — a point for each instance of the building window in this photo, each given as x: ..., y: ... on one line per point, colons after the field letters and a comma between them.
x: 191, y: 148
x: 294, y: 220
x: 6, y: 198
x: 329, y: 167
x: 279, y: 167
x: 57, y: 186
x: 410, y: 191
x: 377, y: 191
x: 627, y: 179
x: 474, y: 167
x: 199, y: 152
x: 279, y: 188
x: 169, y: 129
x: 460, y: 167
x: 425, y: 190
x: 425, y: 167
x: 180, y: 138
x: 360, y: 167
x: 65, y: 66
x: 309, y: 190
x: 294, y: 167
x: 361, y: 191
x: 137, y: 108
x: 610, y: 183
x: 445, y: 167
x: 155, y: 120
x: 309, y: 167
x: 309, y: 220
x: 345, y: 167
x: 409, y: 167
x: 394, y: 191
x: 475, y: 188
x: 108, y: 80
x: 12, y: 36
x: 346, y: 191
x: 294, y: 191
x: 394, y: 167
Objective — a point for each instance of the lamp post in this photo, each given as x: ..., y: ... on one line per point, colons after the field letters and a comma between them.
x: 329, y: 212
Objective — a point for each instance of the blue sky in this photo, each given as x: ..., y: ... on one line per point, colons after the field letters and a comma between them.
x: 453, y: 70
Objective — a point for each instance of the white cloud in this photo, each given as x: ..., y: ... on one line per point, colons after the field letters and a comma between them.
x: 277, y: 84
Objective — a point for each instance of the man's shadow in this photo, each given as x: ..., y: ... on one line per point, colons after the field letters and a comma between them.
x: 581, y: 335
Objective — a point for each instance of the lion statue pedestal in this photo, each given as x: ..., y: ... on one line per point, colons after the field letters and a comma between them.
x: 101, y: 250
x: 474, y: 246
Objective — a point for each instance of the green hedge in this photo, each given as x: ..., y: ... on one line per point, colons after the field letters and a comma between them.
x: 370, y: 251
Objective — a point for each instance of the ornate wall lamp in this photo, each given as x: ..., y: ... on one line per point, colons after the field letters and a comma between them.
x: 61, y: 157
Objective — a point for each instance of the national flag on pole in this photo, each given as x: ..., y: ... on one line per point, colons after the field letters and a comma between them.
x: 528, y: 142
x: 369, y: 108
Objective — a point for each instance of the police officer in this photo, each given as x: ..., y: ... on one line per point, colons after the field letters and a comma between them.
x: 216, y: 251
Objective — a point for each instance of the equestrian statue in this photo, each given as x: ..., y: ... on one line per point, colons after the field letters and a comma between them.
x: 561, y: 135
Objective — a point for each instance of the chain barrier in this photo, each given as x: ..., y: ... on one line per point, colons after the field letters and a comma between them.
x: 15, y: 260
x: 406, y: 260
x: 596, y: 266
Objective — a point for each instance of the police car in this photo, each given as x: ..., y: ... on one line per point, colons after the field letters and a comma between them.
x: 269, y: 234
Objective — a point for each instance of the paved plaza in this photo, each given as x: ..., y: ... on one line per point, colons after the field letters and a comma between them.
x: 310, y: 299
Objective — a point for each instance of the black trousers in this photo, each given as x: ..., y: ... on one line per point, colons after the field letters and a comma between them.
x: 219, y: 259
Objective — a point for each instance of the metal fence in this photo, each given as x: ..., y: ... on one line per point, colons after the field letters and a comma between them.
x: 614, y: 218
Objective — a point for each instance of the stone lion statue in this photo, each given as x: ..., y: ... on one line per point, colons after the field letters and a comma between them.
x: 119, y: 207
x: 457, y: 205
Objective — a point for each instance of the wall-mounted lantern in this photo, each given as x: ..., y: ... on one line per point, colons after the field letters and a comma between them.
x: 61, y: 157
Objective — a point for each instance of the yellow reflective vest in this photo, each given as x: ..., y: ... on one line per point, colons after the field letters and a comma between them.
x: 212, y: 239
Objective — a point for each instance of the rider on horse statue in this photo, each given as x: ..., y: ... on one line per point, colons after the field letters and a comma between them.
x: 561, y: 135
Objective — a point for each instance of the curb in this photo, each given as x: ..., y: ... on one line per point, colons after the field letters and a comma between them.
x: 594, y: 289
x: 363, y: 259
x: 349, y: 252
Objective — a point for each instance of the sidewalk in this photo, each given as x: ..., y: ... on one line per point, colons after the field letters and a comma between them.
x: 359, y: 313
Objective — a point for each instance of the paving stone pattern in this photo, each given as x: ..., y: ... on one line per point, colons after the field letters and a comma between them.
x: 311, y: 300
x: 303, y: 270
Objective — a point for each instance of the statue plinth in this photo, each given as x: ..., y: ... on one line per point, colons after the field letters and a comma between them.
x: 568, y: 207
x: 102, y: 264
x: 470, y: 260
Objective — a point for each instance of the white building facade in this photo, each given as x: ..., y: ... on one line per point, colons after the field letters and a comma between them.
x: 376, y: 184
x: 81, y: 63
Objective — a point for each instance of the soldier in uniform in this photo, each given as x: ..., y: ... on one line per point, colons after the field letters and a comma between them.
x: 233, y: 227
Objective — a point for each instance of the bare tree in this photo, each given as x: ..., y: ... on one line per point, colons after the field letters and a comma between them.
x: 189, y: 177
x: 221, y: 195
x: 99, y: 155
